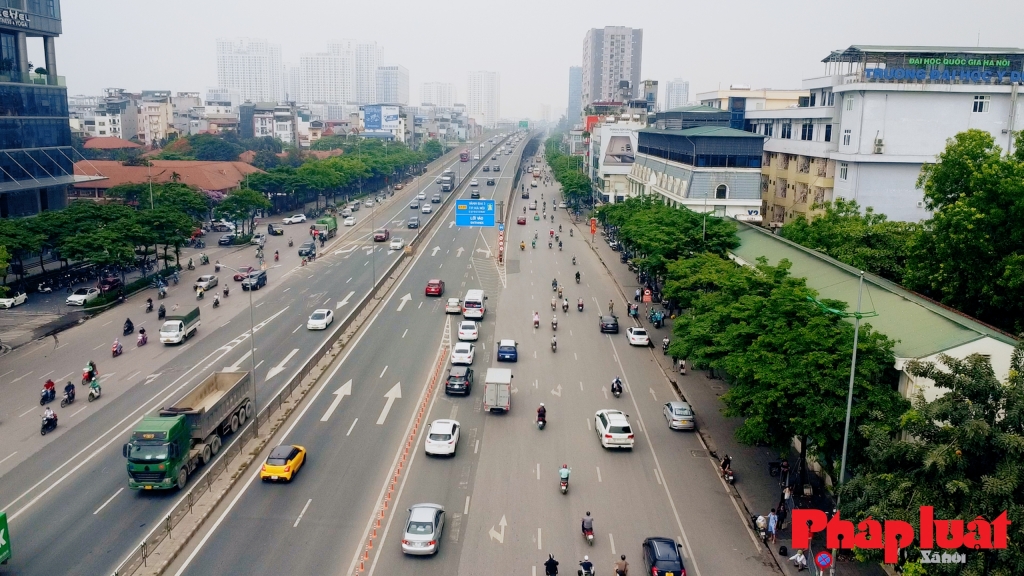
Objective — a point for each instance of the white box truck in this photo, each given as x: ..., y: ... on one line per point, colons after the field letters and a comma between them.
x: 498, y: 390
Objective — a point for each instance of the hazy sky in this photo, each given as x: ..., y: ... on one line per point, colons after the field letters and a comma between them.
x: 169, y: 45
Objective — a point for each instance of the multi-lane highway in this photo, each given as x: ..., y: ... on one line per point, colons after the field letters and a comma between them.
x: 504, y: 512
x: 66, y: 493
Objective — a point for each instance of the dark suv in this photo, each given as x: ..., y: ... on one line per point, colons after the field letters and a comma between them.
x: 308, y: 248
x: 256, y: 280
x: 460, y: 380
x: 609, y: 325
x: 110, y: 284
x: 662, y: 556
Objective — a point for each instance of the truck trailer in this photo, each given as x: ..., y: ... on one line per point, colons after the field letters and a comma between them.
x: 164, y: 450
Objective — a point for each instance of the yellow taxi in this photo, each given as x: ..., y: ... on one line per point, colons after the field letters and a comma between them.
x: 283, y: 462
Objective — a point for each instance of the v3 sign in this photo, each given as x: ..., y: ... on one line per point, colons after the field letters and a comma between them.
x: 5, y: 540
x: 476, y: 213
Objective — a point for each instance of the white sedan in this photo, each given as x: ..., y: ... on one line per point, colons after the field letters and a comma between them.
x: 468, y: 330
x: 426, y: 209
x: 350, y: 221
x: 421, y: 196
x: 82, y: 295
x: 295, y: 219
x: 637, y: 336
x: 463, y: 353
x: 397, y: 244
x: 442, y: 438
x: 13, y: 301
x: 320, y: 319
x: 474, y: 182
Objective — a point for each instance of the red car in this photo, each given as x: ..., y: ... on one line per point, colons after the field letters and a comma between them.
x: 435, y: 287
x: 381, y: 235
x: 521, y: 220
x: 243, y: 273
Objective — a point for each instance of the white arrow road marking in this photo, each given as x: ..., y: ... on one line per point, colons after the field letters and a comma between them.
x: 234, y: 367
x: 405, y: 299
x: 345, y: 390
x: 458, y: 253
x: 499, y: 536
x: 488, y: 252
x: 434, y: 251
x: 652, y: 394
x: 151, y: 377
x: 344, y: 301
x: 280, y: 367
x: 346, y: 250
x: 452, y: 223
x: 394, y: 393
x: 557, y: 391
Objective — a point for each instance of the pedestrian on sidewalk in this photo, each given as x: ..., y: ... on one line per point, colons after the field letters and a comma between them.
x: 782, y: 512
x: 787, y: 494
x: 636, y: 297
x: 799, y: 560
x: 773, y: 522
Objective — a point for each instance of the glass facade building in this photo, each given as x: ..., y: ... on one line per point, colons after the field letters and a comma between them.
x: 36, y: 157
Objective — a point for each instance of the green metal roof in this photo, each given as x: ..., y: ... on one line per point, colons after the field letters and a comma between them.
x: 705, y: 132
x: 919, y: 326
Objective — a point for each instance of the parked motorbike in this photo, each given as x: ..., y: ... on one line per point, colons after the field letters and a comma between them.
x: 46, y: 396
x: 761, y: 525
x: 49, y: 425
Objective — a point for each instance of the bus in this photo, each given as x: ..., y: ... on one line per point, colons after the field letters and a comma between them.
x: 464, y: 155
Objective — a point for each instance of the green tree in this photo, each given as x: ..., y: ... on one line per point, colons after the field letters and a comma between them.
x: 865, y: 240
x: 241, y: 206
x: 209, y: 147
x: 5, y: 260
x: 960, y: 453
x: 266, y: 160
x: 433, y: 149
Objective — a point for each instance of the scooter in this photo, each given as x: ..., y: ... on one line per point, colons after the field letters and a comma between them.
x: 761, y: 525
x: 142, y: 339
x: 200, y: 294
x: 565, y: 307
x: 579, y: 306
x: 573, y: 260
x: 563, y: 485
x: 289, y: 242
x: 49, y: 425
x: 554, y: 323
x: 149, y: 306
x: 226, y: 291
x: 116, y: 350
x: 67, y: 399
x: 664, y: 350
x: 554, y: 345
x: 216, y: 301
x: 541, y: 423
x: 536, y: 323
x: 94, y: 392
x: 128, y: 329
x: 44, y: 288
x: 589, y: 535
x: 726, y: 470
x: 161, y: 312
x: 46, y: 396
x: 617, y: 389
x: 570, y: 232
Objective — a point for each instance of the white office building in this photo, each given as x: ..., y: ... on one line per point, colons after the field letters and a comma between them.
x: 329, y: 76
x: 611, y: 55
x: 574, y: 111
x: 251, y: 66
x: 677, y: 93
x: 878, y: 115
x: 440, y: 94
x: 367, y: 60
x: 393, y: 85
x: 483, y: 98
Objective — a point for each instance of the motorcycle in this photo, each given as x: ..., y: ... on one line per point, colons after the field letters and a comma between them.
x: 589, y: 535
x: 565, y: 307
x: 541, y: 423
x: 149, y: 306
x: 725, y: 470
x: 536, y: 323
x: 216, y: 266
x: 128, y: 329
x: 289, y: 242
x: 94, y: 392
x: 67, y: 399
x: 570, y: 232
x: 579, y: 305
x: 44, y: 288
x: 761, y: 525
x: 46, y: 396
x: 554, y: 345
x: 226, y: 291
x: 563, y: 485
x: 116, y: 350
x: 49, y: 425
x: 559, y: 246
x: 200, y: 294
x: 549, y: 244
x: 216, y: 301
x: 161, y: 312
x: 616, y: 388
x: 190, y: 266
x: 204, y: 259
x: 577, y: 278
x: 573, y: 260
x: 554, y: 323
x: 664, y: 349
x: 142, y: 339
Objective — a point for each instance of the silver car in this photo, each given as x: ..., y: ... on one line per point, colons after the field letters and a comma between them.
x: 680, y: 416
x: 423, y: 529
x: 205, y: 282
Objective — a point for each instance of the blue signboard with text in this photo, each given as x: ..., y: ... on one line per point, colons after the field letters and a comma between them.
x: 478, y: 213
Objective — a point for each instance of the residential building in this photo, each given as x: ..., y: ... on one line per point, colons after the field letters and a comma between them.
x: 251, y: 66
x: 649, y: 92
x: 367, y: 59
x: 113, y: 117
x: 611, y: 55
x: 328, y: 77
x: 440, y: 94
x: 545, y: 112
x: 156, y: 117
x: 739, y: 99
x: 713, y: 169
x: 864, y: 130
x: 483, y: 98
x: 293, y: 83
x: 222, y: 101
x: 36, y: 164
x: 677, y: 93
x: 574, y: 111
x: 393, y: 85
x: 691, y: 117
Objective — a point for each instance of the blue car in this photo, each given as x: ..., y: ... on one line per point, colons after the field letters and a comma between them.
x: 507, y: 351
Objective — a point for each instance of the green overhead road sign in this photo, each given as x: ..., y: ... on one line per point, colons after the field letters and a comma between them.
x: 5, y: 540
x: 524, y: 123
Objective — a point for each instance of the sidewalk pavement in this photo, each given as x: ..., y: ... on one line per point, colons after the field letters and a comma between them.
x: 758, y: 492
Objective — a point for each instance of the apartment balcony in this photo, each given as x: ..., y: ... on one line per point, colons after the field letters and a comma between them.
x: 32, y: 78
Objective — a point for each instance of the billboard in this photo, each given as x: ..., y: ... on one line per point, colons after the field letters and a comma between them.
x: 377, y: 117
x: 618, y: 148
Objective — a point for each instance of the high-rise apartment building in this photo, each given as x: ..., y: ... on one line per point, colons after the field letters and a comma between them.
x: 36, y: 158
x: 575, y: 109
x: 367, y: 60
x: 677, y: 93
x: 438, y: 93
x: 328, y: 77
x: 611, y: 55
x: 293, y: 83
x: 483, y: 98
x: 393, y: 85
x: 251, y: 66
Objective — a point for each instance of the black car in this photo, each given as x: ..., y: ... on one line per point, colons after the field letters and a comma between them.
x: 475, y: 194
x: 526, y: 194
x: 308, y: 248
x: 274, y: 230
x: 226, y: 240
x: 414, y: 222
x: 459, y: 381
x: 490, y: 181
x: 662, y: 556
x: 609, y: 325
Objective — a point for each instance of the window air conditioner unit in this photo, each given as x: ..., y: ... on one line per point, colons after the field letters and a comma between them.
x: 879, y: 146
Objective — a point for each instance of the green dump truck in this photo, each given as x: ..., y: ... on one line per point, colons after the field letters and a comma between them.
x: 327, y: 225
x: 165, y: 449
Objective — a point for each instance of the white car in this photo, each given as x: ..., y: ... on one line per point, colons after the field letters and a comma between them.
x: 320, y: 319
x: 82, y: 295
x: 350, y: 221
x: 426, y: 209
x: 294, y: 219
x: 13, y: 301
x: 206, y: 281
x: 368, y: 203
x: 397, y: 244
x: 637, y: 336
x: 474, y: 182
x: 258, y: 239
x: 468, y: 330
x: 442, y: 438
x: 463, y: 353
x: 476, y: 157
x: 613, y: 429
x: 561, y: 204
x: 453, y: 306
x: 421, y: 196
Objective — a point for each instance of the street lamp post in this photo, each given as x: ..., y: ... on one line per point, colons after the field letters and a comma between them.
x: 252, y: 355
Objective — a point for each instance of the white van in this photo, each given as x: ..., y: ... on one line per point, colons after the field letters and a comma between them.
x: 474, y: 305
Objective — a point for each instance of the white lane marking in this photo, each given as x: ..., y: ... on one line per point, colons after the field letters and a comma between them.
x: 301, y: 514
x: 538, y: 471
x: 20, y: 377
x: 326, y: 301
x: 347, y: 281
x: 77, y: 411
x: 26, y: 412
x: 352, y: 426
x: 286, y: 289
x: 476, y: 448
x: 404, y: 333
x: 383, y: 371
x: 538, y: 539
x: 599, y: 474
x: 464, y: 511
x: 47, y: 374
x: 611, y: 539
x: 657, y: 476
x: 130, y: 376
x: 104, y: 505
x: 258, y: 305
x: 6, y: 373
x: 588, y: 423
x: 297, y: 328
x: 258, y: 364
x: 581, y: 385
x: 110, y: 322
x: 8, y: 456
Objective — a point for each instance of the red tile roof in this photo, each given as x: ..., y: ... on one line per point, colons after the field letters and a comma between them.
x: 109, y: 143
x: 221, y: 176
